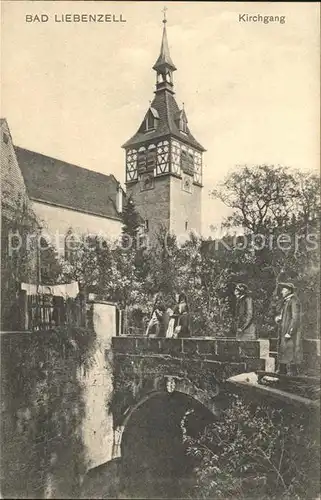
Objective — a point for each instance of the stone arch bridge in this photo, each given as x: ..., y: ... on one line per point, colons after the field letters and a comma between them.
x: 197, y: 367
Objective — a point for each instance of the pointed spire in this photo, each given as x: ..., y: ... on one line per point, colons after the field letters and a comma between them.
x: 164, y: 59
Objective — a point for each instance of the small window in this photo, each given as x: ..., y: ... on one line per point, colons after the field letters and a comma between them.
x: 187, y: 162
x: 141, y: 160
x: 71, y: 246
x: 151, y: 119
x: 187, y: 183
x: 150, y: 122
x: 146, y: 225
x: 183, y: 126
x: 5, y: 138
x: 146, y: 160
x: 186, y: 225
x: 151, y: 159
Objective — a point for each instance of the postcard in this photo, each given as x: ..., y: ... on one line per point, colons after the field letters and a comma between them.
x: 160, y: 249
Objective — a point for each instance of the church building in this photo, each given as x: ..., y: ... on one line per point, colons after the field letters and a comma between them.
x: 66, y: 198
x: 164, y: 160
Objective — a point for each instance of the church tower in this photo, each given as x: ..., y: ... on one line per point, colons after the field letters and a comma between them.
x: 164, y: 160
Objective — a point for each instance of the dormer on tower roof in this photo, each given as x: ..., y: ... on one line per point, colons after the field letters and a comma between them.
x: 164, y: 161
x: 168, y: 122
x: 181, y: 121
x: 163, y: 118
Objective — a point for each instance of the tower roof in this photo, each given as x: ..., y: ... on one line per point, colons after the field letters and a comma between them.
x: 164, y: 59
x: 168, y: 112
x: 164, y: 108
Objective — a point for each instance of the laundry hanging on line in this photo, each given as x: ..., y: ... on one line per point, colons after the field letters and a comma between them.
x: 65, y: 290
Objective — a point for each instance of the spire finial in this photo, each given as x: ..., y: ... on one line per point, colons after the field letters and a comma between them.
x: 164, y: 12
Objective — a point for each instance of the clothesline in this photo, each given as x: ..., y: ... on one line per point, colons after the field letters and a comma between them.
x: 66, y: 290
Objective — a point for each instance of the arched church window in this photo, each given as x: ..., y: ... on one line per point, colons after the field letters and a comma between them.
x: 71, y: 246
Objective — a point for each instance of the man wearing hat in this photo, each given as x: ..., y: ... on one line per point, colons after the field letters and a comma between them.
x: 290, y: 352
x: 244, y: 327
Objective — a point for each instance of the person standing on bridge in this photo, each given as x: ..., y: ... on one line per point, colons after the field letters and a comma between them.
x: 181, y: 317
x: 290, y: 351
x: 244, y: 326
x: 156, y: 326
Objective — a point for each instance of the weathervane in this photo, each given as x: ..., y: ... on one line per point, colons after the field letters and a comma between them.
x: 164, y: 12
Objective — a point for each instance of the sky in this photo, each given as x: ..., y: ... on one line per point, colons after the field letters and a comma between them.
x: 78, y: 91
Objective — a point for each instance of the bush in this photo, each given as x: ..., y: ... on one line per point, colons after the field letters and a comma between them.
x: 256, y: 453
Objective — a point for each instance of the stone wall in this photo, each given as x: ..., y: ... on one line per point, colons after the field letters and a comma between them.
x: 311, y: 355
x: 55, y: 424
x: 41, y: 413
x: 98, y: 382
x: 169, y: 205
x: 153, y: 204
x: 196, y: 366
x: 185, y: 207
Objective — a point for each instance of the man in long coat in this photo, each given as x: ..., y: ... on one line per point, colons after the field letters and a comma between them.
x: 244, y: 326
x: 290, y: 351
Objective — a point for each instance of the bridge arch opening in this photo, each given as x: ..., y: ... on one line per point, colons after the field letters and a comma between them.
x: 154, y: 459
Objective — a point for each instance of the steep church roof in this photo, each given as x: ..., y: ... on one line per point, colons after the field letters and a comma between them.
x: 56, y: 182
x: 168, y: 111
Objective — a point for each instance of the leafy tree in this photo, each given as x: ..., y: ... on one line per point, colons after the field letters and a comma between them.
x: 256, y: 451
x: 50, y: 266
x: 260, y: 196
x: 19, y: 238
x: 207, y: 269
x: 279, y: 211
x: 131, y: 219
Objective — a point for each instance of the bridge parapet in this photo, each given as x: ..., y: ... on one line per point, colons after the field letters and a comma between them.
x: 197, y: 367
x: 204, y: 348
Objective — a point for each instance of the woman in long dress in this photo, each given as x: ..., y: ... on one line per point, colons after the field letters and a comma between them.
x: 179, y: 323
x: 156, y: 326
